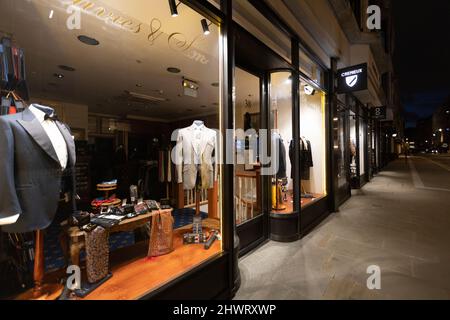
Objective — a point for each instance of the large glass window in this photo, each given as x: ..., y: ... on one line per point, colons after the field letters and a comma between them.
x: 282, y: 200
x: 247, y: 120
x: 340, y: 145
x: 312, y: 143
x: 353, y: 145
x: 362, y: 144
x: 118, y: 102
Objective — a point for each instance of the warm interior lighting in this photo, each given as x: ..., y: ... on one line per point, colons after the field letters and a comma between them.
x: 309, y: 90
x: 173, y: 8
x: 205, y: 27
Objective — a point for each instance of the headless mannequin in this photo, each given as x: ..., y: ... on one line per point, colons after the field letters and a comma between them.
x: 60, y: 147
x: 58, y: 144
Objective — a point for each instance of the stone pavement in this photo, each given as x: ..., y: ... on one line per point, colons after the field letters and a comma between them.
x: 389, y: 223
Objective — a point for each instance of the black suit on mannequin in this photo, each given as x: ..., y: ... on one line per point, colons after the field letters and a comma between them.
x: 32, y: 180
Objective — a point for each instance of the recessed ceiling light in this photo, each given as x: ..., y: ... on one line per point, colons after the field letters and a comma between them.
x: 66, y: 68
x: 88, y: 40
x: 139, y: 85
x: 58, y: 75
x: 215, y: 104
x: 138, y: 61
x: 173, y: 70
x: 215, y: 84
x: 203, y: 106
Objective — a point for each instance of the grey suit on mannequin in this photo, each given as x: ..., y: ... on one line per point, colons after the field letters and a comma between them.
x: 195, y: 150
x: 30, y: 173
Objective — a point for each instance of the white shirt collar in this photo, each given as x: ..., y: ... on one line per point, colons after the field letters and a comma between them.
x: 38, y: 113
x: 195, y: 126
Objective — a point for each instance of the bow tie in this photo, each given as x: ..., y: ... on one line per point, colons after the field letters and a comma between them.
x: 49, y: 117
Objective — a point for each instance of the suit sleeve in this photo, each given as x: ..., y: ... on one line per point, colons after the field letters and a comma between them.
x: 179, y: 157
x: 9, y: 202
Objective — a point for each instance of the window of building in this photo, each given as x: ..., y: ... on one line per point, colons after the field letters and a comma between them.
x: 134, y: 85
x: 312, y: 143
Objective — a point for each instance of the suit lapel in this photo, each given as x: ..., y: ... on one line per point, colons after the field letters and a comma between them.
x: 203, y: 141
x: 193, y: 140
x: 69, y: 142
x: 35, y: 130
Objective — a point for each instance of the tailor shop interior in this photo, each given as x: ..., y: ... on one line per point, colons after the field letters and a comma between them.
x: 88, y: 113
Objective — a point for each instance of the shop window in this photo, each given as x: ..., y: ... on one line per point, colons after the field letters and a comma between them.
x: 340, y: 145
x: 353, y: 144
x: 312, y: 143
x: 124, y: 76
x: 247, y: 120
x: 362, y: 143
x: 282, y: 152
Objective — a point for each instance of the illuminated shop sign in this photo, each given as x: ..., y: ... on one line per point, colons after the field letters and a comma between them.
x: 352, y: 78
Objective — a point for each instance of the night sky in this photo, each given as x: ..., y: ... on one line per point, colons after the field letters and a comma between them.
x: 422, y: 58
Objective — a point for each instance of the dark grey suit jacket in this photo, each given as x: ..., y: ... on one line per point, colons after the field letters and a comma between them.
x: 30, y: 172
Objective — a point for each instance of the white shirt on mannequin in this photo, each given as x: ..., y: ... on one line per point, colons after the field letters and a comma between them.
x: 58, y: 142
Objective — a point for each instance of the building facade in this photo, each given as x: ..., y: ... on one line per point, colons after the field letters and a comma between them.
x: 262, y: 74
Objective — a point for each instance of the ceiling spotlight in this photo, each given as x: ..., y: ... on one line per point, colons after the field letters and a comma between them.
x: 215, y: 84
x: 173, y: 70
x: 309, y: 90
x: 88, y: 40
x: 50, y: 16
x: 288, y: 80
x: 190, y: 88
x: 58, y: 75
x: 173, y: 8
x: 205, y: 27
x: 139, y: 85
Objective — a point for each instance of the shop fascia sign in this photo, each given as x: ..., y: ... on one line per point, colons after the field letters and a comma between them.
x: 379, y: 113
x: 352, y: 79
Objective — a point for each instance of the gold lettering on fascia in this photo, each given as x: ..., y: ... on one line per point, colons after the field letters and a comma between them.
x: 176, y: 40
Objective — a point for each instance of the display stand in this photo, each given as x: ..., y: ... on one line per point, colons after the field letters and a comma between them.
x: 279, y: 206
x: 107, y: 188
x: 40, y: 291
x: 197, y: 200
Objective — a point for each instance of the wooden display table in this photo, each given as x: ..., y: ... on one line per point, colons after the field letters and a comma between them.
x: 76, y: 236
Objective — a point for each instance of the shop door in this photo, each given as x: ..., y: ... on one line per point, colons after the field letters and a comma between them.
x: 255, y: 63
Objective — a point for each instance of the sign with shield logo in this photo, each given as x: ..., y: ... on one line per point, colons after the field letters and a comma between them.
x: 352, y: 78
